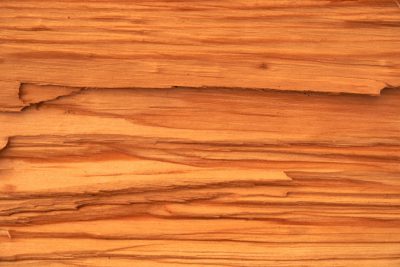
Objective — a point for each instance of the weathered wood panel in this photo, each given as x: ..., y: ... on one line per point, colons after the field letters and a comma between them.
x: 200, y: 133
x: 221, y: 177
x: 328, y: 45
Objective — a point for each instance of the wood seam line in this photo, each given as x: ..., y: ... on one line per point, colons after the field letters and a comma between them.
x: 77, y: 90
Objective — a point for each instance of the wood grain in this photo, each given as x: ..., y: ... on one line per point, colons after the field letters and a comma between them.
x: 320, y: 45
x: 200, y: 133
x: 195, y: 176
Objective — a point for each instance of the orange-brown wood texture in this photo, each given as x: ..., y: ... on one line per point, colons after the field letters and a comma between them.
x: 200, y: 133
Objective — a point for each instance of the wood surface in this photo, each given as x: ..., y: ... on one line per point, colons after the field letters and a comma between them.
x: 320, y: 45
x: 200, y: 133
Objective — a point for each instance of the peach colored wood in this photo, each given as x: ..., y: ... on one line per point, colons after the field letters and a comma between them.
x: 320, y: 45
x: 200, y: 133
x: 188, y: 176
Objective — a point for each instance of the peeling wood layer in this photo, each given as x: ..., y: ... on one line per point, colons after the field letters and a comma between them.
x: 333, y: 46
x: 200, y: 176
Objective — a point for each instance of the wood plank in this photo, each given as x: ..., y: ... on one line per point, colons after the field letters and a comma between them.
x: 335, y: 46
x: 200, y: 176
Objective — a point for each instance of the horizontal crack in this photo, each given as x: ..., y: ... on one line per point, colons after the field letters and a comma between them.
x: 56, y: 92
